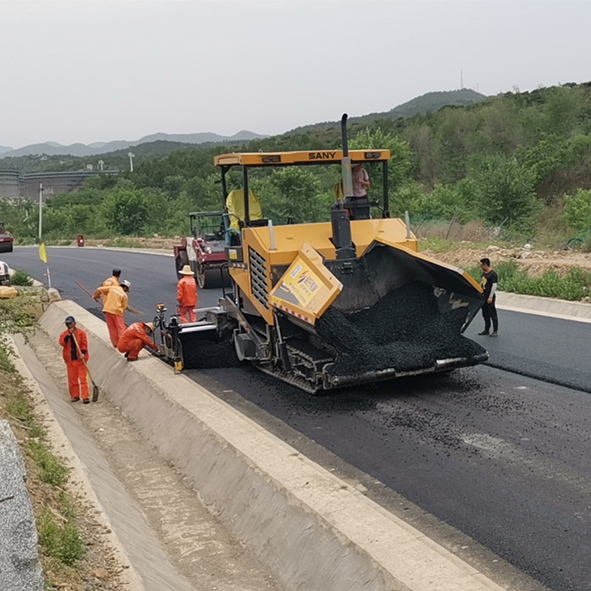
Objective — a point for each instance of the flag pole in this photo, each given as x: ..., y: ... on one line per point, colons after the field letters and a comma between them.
x: 43, y: 257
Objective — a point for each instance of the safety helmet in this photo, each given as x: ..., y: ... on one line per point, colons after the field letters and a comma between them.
x: 70, y: 320
x: 149, y: 326
x: 125, y: 283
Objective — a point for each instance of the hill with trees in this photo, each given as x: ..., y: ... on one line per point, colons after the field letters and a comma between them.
x: 519, y: 163
x: 420, y: 105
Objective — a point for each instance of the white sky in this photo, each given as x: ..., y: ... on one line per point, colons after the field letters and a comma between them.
x: 85, y: 71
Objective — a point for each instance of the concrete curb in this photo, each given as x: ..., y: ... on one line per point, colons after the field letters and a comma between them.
x: 309, y: 527
x: 160, y: 252
x: 550, y: 307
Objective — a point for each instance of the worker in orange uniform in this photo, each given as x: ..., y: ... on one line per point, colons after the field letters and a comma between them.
x: 135, y: 338
x: 186, y: 296
x: 75, y: 357
x: 114, y: 280
x: 114, y: 305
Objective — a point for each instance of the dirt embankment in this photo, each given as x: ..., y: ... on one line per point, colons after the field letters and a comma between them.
x: 536, y: 262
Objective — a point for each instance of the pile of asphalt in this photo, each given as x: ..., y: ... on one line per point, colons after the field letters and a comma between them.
x: 404, y: 331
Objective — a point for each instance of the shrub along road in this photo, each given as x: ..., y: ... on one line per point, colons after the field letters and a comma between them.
x: 498, y: 456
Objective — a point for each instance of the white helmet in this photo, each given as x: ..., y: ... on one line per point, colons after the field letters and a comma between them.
x: 125, y: 283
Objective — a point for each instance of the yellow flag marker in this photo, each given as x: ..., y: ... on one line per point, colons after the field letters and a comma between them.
x: 43, y: 253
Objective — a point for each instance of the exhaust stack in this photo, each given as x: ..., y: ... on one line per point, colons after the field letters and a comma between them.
x: 339, y: 216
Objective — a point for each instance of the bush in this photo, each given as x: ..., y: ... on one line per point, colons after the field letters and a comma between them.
x: 21, y: 277
x: 125, y: 210
x: 577, y: 210
x: 505, y: 192
x: 447, y: 202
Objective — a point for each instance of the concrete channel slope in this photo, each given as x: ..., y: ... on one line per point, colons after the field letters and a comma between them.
x: 312, y: 529
x: 151, y: 570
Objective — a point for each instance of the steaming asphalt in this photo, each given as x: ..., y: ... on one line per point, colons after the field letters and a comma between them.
x: 502, y: 457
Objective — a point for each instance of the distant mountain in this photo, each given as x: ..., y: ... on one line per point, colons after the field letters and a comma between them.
x: 55, y: 149
x: 430, y: 102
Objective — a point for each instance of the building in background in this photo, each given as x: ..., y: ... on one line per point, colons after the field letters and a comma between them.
x: 14, y: 185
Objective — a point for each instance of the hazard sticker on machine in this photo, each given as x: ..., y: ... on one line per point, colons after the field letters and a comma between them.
x: 307, y: 286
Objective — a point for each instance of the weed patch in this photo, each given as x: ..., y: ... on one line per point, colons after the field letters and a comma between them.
x: 15, y: 314
x: 5, y: 361
x: 573, y: 285
x: 60, y: 539
x: 52, y: 471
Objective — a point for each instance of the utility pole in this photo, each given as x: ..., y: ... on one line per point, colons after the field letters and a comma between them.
x: 131, y: 157
x: 461, y: 80
x: 40, y: 211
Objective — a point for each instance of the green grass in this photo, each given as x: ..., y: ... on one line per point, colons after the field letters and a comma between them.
x: 574, y: 285
x: 123, y: 243
x: 437, y: 244
x: 52, y: 471
x: 60, y: 539
x: 19, y: 407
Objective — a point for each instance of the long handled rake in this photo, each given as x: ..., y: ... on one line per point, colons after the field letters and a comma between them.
x: 129, y: 308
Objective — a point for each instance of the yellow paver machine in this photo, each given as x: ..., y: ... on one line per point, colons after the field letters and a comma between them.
x: 350, y: 301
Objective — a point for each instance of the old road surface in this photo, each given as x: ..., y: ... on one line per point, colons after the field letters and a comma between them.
x: 499, y: 456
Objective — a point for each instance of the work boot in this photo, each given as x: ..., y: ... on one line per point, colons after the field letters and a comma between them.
x: 494, y: 334
x: 484, y: 333
x: 75, y: 399
x: 132, y: 358
x: 86, y: 400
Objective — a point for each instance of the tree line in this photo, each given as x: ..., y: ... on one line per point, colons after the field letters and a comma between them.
x: 516, y: 161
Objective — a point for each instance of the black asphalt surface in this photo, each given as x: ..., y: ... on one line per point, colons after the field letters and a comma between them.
x: 501, y: 457
x: 546, y: 348
x: 153, y: 277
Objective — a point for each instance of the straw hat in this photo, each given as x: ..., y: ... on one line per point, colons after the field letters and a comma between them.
x: 186, y: 270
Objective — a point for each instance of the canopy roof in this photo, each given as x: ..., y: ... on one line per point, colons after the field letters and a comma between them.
x: 299, y: 158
